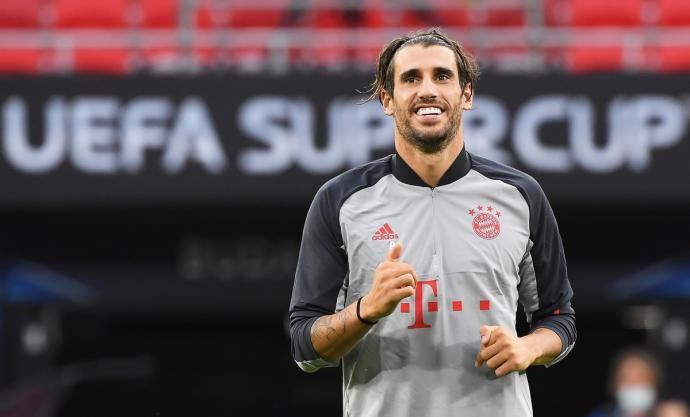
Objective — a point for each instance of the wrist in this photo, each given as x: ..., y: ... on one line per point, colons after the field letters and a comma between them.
x: 364, y: 313
x: 533, y: 347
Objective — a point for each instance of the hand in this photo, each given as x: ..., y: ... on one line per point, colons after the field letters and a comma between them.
x: 503, y: 351
x: 393, y: 281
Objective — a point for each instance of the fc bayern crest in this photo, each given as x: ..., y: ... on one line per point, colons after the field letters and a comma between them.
x: 486, y: 221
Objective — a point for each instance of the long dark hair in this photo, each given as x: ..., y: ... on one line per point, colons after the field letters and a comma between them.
x: 467, y: 66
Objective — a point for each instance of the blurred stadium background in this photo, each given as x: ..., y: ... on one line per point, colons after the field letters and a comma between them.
x: 158, y: 157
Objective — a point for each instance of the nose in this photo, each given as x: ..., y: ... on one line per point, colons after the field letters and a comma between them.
x: 427, y: 89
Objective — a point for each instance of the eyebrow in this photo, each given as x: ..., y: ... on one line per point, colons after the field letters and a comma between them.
x: 443, y: 70
x: 437, y: 71
x: 409, y: 73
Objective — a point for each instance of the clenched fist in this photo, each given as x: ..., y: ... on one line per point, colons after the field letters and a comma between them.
x: 504, y: 351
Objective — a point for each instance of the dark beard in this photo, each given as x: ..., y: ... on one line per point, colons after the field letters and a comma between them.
x: 428, y: 145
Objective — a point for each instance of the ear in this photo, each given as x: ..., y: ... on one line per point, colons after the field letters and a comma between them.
x: 467, y: 97
x: 387, y: 101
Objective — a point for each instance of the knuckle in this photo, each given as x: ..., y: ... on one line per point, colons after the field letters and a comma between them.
x: 408, y: 268
x: 384, y: 274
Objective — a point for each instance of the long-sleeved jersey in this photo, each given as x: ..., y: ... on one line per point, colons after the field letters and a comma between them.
x: 481, y: 241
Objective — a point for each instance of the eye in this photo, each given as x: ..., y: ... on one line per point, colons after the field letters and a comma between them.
x: 410, y: 79
x: 444, y: 77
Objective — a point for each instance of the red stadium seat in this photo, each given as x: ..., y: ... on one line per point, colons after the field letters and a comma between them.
x: 378, y: 14
x: 159, y: 13
x: 451, y: 13
x: 207, y: 17
x: 593, y: 59
x: 244, y: 18
x: 674, y: 59
x: 554, y: 12
x: 163, y: 59
x: 454, y: 18
x: 101, y: 61
x: 240, y: 14
x: 320, y: 18
x: 91, y: 14
x: 505, y: 17
x: 674, y: 12
x: 408, y: 18
x: 591, y: 12
x: 419, y: 18
x: 374, y: 18
x: 366, y: 56
x: 256, y: 18
x: 20, y: 13
x: 19, y: 61
x: 338, y: 13
x: 553, y: 56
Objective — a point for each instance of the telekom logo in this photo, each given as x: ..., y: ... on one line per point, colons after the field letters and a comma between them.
x: 431, y: 306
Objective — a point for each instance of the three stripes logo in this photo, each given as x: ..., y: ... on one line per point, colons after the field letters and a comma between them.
x: 385, y: 232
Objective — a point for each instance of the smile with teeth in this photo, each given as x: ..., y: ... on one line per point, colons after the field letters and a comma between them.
x: 422, y: 111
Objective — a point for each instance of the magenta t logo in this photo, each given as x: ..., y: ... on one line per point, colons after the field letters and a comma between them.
x: 432, y: 306
x: 454, y: 305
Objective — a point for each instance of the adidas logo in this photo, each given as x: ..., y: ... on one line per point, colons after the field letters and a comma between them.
x: 384, y: 233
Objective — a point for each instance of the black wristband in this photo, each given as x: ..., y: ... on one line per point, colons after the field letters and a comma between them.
x: 370, y: 323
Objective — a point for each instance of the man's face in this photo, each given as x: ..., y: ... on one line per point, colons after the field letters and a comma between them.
x: 427, y: 101
x: 635, y: 371
x: 635, y: 386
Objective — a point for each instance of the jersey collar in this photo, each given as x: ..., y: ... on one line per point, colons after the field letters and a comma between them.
x: 458, y: 169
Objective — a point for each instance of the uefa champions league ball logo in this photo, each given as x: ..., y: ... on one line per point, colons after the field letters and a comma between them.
x: 485, y: 222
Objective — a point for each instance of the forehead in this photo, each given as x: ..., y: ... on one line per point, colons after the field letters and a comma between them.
x: 423, y: 58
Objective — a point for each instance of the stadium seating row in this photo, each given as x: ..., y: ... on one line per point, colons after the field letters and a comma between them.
x: 28, y: 14
x: 370, y: 13
x: 622, y: 13
x: 120, y: 61
x: 65, y: 19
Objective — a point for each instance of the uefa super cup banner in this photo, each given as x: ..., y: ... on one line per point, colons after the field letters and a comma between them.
x: 589, y: 140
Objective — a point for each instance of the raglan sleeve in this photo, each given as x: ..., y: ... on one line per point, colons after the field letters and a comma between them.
x: 544, y: 289
x: 321, y: 270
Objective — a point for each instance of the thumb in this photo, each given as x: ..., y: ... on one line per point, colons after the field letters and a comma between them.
x: 394, y: 252
x: 485, y: 332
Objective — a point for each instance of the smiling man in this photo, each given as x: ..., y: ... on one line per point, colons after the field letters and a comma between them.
x: 429, y: 330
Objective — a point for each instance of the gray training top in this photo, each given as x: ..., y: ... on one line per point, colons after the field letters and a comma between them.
x: 482, y: 240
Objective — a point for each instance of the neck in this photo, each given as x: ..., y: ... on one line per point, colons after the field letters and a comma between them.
x: 429, y: 167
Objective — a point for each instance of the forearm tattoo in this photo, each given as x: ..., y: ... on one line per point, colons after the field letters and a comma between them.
x: 331, y: 327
